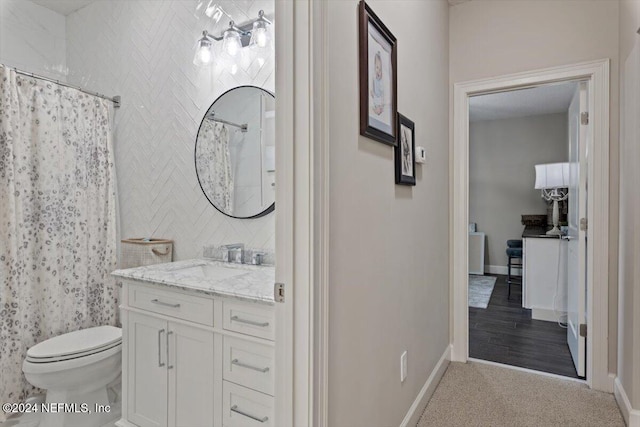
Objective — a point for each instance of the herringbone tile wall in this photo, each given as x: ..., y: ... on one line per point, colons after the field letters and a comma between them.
x: 143, y: 51
x: 32, y: 38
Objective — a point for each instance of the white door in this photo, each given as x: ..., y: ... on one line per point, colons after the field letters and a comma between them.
x: 576, y: 238
x: 190, y: 361
x: 147, y: 393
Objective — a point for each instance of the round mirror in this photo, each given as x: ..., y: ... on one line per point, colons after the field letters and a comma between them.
x: 235, y: 153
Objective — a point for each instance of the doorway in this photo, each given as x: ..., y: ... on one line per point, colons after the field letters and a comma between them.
x: 519, y: 266
x: 596, y: 76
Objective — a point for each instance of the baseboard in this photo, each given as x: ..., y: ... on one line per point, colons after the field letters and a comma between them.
x: 124, y: 423
x: 418, y: 405
x: 611, y: 381
x: 631, y: 416
x: 502, y: 270
x: 547, y: 314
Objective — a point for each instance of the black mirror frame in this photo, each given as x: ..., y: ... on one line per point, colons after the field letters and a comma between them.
x: 265, y: 212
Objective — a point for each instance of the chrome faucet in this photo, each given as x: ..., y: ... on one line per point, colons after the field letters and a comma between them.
x: 257, y: 257
x: 235, y: 253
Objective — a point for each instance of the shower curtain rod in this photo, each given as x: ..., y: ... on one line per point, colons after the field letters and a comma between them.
x: 116, y: 99
x: 243, y: 128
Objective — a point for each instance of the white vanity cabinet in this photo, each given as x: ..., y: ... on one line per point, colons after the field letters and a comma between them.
x: 195, y: 360
x: 170, y: 367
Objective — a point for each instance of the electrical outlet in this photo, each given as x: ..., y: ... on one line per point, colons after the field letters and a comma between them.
x: 403, y: 366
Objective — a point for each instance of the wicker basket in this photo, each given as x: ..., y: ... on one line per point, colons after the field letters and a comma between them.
x: 140, y: 252
x: 534, y: 220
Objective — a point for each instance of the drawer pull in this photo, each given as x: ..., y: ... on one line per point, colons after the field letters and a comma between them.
x: 166, y: 304
x: 244, y: 365
x: 249, y: 322
x: 235, y: 409
x: 160, y: 363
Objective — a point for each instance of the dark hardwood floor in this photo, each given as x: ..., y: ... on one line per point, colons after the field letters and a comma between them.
x: 505, y: 333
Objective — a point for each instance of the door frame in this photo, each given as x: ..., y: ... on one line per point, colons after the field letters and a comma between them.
x: 597, y: 75
x: 302, y: 213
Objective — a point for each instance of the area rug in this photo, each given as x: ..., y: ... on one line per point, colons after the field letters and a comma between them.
x: 480, y: 290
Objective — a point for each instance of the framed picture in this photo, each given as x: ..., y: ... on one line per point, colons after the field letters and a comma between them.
x: 406, y: 152
x: 378, y: 78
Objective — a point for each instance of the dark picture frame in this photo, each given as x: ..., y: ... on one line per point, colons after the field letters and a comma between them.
x: 378, y: 59
x: 405, y: 152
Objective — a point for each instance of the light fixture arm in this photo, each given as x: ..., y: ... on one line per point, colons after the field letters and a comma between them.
x: 233, y: 27
x: 211, y: 37
x: 262, y: 18
x: 243, y: 30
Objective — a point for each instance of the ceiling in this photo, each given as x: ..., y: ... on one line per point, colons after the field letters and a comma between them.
x: 64, y: 7
x: 537, y: 101
x: 67, y: 7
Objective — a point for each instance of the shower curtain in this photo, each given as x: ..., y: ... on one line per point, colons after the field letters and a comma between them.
x: 57, y: 219
x: 214, y: 164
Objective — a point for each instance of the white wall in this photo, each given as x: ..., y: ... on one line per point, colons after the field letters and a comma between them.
x: 503, y: 154
x: 629, y: 270
x: 32, y: 38
x: 143, y: 51
x: 389, y: 244
x: 496, y: 37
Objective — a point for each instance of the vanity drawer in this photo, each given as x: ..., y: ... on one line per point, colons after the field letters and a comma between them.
x: 243, y: 407
x: 249, y: 364
x: 249, y: 319
x: 175, y: 304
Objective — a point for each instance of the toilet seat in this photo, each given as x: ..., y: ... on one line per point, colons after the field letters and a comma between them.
x: 77, y: 344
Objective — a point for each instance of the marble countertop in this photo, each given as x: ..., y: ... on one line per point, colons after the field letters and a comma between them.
x: 255, y: 284
x: 538, y: 231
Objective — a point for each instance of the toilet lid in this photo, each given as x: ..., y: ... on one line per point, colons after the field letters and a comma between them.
x: 84, y: 341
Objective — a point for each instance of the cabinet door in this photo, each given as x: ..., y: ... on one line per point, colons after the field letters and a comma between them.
x: 191, y: 376
x: 147, y: 382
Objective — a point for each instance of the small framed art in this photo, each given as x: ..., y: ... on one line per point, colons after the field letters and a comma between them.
x: 378, y: 78
x: 405, y: 152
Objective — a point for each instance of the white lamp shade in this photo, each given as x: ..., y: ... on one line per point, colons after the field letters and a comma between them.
x: 552, y: 175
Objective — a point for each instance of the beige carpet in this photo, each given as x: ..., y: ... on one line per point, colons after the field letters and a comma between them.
x: 475, y: 394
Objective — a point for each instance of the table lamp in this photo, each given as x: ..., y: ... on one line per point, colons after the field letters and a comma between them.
x: 553, y: 180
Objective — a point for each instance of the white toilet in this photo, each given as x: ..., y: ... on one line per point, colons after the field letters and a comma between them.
x: 75, y: 369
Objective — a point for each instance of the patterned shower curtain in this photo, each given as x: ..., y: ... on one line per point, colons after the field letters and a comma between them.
x: 57, y: 219
x: 213, y: 164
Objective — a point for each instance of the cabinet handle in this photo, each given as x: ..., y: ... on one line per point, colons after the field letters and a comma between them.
x: 249, y: 322
x: 160, y: 332
x: 166, y: 304
x: 169, y: 366
x: 244, y: 365
x: 235, y: 409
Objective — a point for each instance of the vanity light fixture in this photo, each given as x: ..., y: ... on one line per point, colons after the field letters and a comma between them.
x: 255, y: 34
